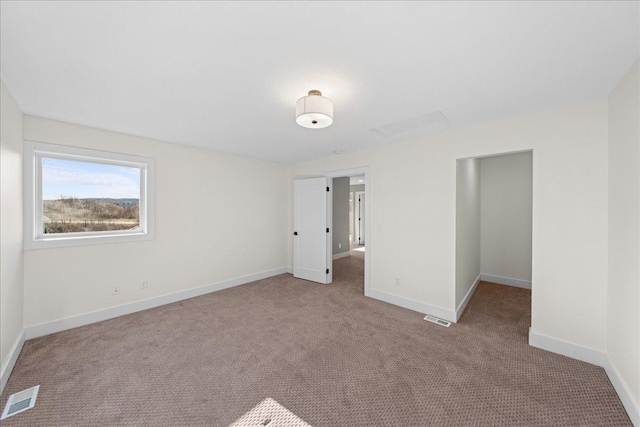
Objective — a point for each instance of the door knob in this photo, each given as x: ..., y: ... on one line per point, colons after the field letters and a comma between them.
x: 295, y: 233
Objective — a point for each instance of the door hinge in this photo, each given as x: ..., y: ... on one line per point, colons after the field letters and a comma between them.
x: 327, y: 229
x: 327, y: 189
x: 327, y: 271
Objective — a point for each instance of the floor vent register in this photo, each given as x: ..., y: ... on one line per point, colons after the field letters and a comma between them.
x: 20, y: 402
x: 437, y: 321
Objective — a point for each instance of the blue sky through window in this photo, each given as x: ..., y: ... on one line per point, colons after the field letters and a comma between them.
x: 70, y: 178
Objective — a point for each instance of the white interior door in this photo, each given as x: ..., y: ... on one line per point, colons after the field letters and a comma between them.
x: 359, y: 218
x: 311, y: 239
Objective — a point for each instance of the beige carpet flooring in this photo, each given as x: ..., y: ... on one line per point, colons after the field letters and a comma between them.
x: 326, y: 353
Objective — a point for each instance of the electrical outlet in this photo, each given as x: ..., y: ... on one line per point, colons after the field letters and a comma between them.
x: 144, y: 284
x: 115, y: 290
x: 339, y: 245
x: 397, y: 281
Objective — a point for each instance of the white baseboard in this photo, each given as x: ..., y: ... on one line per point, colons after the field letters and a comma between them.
x: 290, y: 270
x: 341, y: 255
x: 594, y: 357
x: 109, y: 313
x: 414, y: 305
x: 565, y: 348
x: 623, y: 392
x: 467, y: 298
x: 518, y: 283
x: 7, y: 368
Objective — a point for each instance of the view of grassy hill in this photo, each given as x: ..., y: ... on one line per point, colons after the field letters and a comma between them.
x: 70, y: 215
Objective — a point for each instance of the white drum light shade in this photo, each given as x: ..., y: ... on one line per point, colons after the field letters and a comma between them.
x: 314, y: 111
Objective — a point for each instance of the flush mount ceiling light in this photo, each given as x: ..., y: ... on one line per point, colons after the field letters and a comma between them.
x: 314, y: 111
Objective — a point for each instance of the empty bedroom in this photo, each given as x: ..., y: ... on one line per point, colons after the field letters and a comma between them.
x: 285, y: 213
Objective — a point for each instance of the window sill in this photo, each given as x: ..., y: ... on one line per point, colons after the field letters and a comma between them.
x: 68, y: 241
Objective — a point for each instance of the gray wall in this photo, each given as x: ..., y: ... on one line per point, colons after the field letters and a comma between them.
x: 506, y: 193
x: 340, y: 215
x: 467, y: 226
x: 359, y: 187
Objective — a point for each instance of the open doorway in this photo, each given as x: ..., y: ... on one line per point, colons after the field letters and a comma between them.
x: 350, y: 227
x: 494, y: 221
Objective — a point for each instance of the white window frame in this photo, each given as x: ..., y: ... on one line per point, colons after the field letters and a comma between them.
x: 34, y: 236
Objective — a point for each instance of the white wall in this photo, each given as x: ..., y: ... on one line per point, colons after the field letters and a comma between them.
x: 569, y: 214
x: 11, y: 259
x: 623, y: 298
x: 218, y: 217
x: 341, y: 215
x: 467, y: 226
x: 506, y: 194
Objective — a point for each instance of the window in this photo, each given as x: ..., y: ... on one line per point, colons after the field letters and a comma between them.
x: 76, y: 196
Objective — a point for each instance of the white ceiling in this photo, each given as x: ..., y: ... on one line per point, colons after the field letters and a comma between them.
x: 226, y: 76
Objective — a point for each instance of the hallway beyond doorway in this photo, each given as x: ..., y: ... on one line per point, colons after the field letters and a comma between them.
x: 357, y: 248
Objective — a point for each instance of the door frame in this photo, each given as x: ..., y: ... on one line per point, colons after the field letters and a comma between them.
x: 366, y: 171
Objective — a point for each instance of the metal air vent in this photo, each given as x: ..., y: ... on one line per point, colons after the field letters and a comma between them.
x: 20, y: 402
x: 437, y: 321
